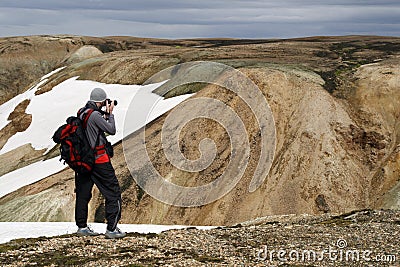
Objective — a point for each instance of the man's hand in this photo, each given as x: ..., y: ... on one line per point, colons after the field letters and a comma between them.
x: 110, y: 108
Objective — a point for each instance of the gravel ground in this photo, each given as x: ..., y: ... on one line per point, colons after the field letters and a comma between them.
x: 362, y: 238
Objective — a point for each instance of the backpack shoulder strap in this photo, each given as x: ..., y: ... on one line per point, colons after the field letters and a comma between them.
x: 84, y: 115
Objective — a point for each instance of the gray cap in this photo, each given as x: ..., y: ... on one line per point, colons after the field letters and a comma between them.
x: 98, y: 95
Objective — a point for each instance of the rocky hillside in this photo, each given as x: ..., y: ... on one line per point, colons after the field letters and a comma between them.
x: 335, y: 102
x: 364, y: 238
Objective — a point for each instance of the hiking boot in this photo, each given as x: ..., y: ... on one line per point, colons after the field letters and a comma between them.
x: 86, y: 231
x: 115, y: 234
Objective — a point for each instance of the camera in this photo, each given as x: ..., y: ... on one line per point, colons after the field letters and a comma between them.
x: 108, y: 102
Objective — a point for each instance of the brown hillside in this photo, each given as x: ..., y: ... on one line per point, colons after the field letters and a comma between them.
x: 335, y: 102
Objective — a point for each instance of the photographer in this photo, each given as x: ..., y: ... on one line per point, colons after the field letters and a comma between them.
x: 99, y: 122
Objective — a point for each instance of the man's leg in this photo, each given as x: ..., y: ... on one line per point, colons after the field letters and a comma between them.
x: 105, y: 179
x: 83, y: 191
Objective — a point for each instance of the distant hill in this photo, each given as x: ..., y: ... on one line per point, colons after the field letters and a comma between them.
x: 335, y: 102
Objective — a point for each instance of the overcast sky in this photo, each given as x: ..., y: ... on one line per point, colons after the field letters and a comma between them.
x: 205, y: 18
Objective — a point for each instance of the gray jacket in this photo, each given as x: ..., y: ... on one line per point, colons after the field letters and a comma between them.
x: 97, y: 125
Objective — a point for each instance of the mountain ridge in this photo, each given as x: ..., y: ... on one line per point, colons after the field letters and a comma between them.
x: 335, y: 103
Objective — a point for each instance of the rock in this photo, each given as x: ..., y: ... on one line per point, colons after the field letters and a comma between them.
x: 83, y: 53
x: 321, y: 203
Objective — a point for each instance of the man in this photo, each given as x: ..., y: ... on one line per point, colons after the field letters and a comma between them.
x: 103, y: 174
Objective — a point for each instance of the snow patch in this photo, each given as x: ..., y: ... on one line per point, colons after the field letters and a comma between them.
x: 14, y: 230
x: 28, y: 175
x: 10, y: 105
x: 50, y: 110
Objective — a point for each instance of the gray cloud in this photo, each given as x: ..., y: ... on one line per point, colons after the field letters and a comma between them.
x: 184, y: 19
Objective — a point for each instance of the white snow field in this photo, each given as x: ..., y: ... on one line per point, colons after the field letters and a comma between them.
x: 29, y: 174
x: 50, y: 110
x: 10, y: 105
x: 14, y: 230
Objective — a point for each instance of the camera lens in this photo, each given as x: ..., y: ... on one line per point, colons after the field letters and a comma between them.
x: 109, y: 101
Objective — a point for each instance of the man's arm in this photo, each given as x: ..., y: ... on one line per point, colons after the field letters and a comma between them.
x: 107, y: 126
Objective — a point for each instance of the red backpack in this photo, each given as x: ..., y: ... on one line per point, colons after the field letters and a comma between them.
x: 75, y: 149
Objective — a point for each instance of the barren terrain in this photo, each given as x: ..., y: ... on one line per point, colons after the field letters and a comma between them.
x: 335, y: 102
